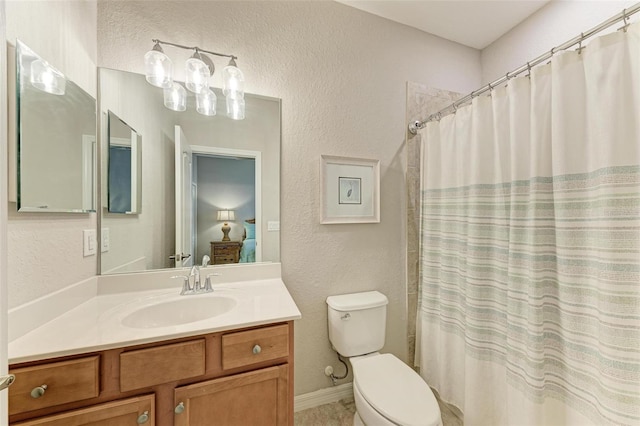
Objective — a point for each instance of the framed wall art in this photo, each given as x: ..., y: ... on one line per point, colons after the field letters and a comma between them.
x: 349, y: 190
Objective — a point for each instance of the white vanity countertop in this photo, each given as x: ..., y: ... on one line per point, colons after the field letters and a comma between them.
x: 96, y: 324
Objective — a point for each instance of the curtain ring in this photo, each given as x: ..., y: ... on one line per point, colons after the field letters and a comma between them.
x: 455, y: 107
x: 580, y: 43
x: 529, y: 69
x: 438, y: 116
x: 625, y: 18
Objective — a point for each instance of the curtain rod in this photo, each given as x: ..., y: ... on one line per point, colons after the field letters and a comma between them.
x: 622, y: 16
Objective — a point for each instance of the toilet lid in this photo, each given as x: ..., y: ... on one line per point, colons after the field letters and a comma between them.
x: 396, y: 391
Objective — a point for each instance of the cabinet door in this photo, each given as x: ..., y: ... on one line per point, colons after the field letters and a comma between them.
x: 131, y: 411
x: 258, y: 397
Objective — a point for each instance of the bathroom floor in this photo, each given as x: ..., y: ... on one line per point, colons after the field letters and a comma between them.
x: 341, y: 414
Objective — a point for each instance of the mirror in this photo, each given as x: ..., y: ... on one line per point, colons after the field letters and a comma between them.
x: 56, y: 139
x: 124, y: 167
x: 201, y: 175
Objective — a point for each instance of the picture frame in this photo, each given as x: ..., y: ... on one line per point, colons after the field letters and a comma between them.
x: 349, y: 190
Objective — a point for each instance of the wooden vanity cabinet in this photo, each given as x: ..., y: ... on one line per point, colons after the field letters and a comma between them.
x: 258, y: 397
x: 236, y: 377
x: 130, y: 411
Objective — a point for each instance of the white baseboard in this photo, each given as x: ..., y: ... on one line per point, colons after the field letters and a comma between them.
x: 322, y: 396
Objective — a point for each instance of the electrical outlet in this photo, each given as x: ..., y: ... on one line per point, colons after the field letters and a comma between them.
x: 89, y: 242
x: 273, y: 225
x: 104, y: 240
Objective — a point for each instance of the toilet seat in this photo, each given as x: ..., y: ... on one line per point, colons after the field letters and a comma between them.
x: 395, y: 391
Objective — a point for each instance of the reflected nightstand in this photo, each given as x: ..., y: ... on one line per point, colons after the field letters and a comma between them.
x: 225, y: 252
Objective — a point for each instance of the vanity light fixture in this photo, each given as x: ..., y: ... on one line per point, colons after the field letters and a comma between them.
x: 206, y: 102
x: 235, y: 108
x: 158, y: 68
x: 46, y: 78
x: 175, y: 97
x: 198, y: 68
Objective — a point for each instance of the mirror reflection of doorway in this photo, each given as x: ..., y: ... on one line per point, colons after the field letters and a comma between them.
x: 225, y: 197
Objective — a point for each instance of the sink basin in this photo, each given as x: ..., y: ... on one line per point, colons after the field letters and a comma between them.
x: 184, y: 310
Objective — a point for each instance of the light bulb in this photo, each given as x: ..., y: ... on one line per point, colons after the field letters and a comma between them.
x: 175, y: 98
x: 196, y: 74
x: 206, y: 102
x: 235, y: 108
x: 232, y: 81
x: 46, y: 78
x: 158, y: 68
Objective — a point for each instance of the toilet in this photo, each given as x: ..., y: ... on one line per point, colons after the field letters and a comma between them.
x: 386, y: 390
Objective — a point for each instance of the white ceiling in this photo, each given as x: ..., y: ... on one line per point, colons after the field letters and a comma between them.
x: 474, y: 23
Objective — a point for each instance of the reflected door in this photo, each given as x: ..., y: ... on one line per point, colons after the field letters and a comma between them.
x: 184, y: 205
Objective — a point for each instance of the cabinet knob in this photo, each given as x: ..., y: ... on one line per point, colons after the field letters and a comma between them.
x: 143, y: 418
x: 179, y: 408
x: 257, y: 349
x: 37, y: 392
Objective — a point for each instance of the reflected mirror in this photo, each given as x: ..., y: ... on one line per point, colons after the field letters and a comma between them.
x: 56, y: 139
x: 124, y: 167
x: 210, y: 184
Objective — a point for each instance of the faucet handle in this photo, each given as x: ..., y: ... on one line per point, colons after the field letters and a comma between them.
x: 207, y: 283
x: 186, y: 287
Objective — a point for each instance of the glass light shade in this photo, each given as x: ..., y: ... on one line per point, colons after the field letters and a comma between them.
x: 226, y: 215
x: 235, y: 108
x: 175, y: 98
x: 158, y: 69
x: 232, y: 82
x: 46, y: 78
x: 206, y: 102
x: 196, y: 75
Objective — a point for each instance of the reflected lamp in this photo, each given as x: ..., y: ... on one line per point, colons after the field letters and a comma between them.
x: 226, y: 216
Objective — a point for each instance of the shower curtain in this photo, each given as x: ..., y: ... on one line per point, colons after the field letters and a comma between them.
x: 529, y: 310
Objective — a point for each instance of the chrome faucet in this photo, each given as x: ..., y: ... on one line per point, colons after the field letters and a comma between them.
x: 197, y: 287
x: 195, y: 273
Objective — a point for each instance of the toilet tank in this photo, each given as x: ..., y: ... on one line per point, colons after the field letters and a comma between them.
x: 357, y: 322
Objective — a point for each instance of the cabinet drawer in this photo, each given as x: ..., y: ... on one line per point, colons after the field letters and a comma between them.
x: 250, y: 347
x: 148, y: 367
x: 65, y: 381
x: 224, y: 259
x: 225, y: 250
x: 131, y: 411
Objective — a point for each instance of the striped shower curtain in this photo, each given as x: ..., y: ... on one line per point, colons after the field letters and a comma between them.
x: 529, y: 309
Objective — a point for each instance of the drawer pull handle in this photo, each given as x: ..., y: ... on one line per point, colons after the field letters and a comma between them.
x: 179, y: 408
x: 257, y: 349
x: 144, y: 417
x: 37, y: 392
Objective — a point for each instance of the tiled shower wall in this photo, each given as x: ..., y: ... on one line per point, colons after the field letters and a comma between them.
x: 421, y: 102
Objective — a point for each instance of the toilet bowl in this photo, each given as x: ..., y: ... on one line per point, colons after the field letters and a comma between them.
x: 386, y: 391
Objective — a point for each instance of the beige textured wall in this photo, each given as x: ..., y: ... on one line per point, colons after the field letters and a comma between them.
x: 45, y: 249
x: 552, y: 25
x: 341, y: 74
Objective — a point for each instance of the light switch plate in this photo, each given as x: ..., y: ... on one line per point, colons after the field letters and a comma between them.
x: 89, y: 242
x: 104, y: 240
x: 273, y: 225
